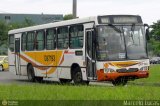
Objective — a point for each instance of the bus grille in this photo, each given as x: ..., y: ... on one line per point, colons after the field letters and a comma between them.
x: 123, y: 70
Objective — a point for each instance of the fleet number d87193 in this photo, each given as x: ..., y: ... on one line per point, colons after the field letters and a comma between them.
x: 49, y: 57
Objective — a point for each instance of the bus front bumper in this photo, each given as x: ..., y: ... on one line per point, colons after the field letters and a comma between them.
x: 114, y: 75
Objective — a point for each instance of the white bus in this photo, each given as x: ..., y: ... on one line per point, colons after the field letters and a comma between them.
x: 101, y: 48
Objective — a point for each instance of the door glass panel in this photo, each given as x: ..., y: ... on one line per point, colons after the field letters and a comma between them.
x: 89, y: 44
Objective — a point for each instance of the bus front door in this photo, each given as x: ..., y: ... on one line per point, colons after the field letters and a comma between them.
x: 17, y: 56
x: 90, y: 55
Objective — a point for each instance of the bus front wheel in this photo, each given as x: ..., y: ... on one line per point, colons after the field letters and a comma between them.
x: 120, y: 81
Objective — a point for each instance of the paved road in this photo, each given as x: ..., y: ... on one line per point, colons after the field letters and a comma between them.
x: 7, y: 77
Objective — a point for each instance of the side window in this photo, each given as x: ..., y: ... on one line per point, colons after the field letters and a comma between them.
x: 40, y: 40
x: 50, y: 39
x: 63, y: 38
x: 76, y: 36
x: 23, y: 42
x: 30, y: 41
x: 11, y: 42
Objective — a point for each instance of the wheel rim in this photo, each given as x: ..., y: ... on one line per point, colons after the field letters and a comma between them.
x: 78, y: 77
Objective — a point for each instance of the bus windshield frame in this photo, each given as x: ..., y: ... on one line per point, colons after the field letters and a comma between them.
x: 121, y: 42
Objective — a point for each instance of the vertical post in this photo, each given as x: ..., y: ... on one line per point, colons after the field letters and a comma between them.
x: 74, y: 8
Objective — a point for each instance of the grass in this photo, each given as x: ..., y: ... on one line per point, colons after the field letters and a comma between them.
x: 67, y: 92
x: 37, y: 91
x: 154, y: 76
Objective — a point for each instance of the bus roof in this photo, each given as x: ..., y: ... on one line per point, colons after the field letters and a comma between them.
x: 70, y: 22
x: 55, y: 24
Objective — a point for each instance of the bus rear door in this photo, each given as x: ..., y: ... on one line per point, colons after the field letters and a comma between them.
x: 17, y: 54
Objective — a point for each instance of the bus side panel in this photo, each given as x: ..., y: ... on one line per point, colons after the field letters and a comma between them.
x: 64, y: 70
x: 11, y: 61
x: 47, y: 62
x: 23, y: 64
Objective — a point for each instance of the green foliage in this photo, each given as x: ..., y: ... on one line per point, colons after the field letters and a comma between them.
x: 154, y: 43
x: 4, y: 28
x: 154, y: 46
x: 156, y: 30
x: 3, y: 32
x: 68, y: 17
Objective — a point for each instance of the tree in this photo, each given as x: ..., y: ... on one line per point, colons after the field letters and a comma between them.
x: 4, y: 28
x: 68, y: 17
x: 3, y: 32
x: 156, y: 30
x: 154, y: 43
x: 27, y: 22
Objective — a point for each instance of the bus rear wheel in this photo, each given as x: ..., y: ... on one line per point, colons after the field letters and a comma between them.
x: 120, y: 81
x: 1, y: 67
x: 30, y: 73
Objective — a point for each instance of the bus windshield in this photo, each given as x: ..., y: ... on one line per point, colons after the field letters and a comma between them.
x: 121, y: 42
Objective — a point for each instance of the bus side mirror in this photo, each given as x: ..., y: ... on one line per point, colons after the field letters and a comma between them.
x: 147, y: 32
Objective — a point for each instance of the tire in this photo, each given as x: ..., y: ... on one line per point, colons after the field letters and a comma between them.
x: 30, y: 73
x: 77, y: 77
x: 2, y: 67
x: 120, y: 81
x: 39, y: 79
x: 64, y: 81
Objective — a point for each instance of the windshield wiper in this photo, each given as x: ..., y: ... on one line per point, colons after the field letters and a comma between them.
x: 133, y: 28
x: 132, y: 33
x: 115, y: 28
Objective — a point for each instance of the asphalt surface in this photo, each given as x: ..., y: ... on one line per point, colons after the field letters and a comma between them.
x: 7, y: 77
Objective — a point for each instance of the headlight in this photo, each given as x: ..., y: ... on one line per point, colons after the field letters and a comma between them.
x: 144, y: 68
x: 108, y: 70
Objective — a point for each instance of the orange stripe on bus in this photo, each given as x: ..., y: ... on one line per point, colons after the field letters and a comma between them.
x: 34, y: 64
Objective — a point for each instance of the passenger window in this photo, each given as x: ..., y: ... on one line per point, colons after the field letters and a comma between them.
x: 40, y: 40
x: 76, y: 36
x: 51, y: 39
x: 30, y: 41
x: 63, y: 38
x: 23, y: 42
x: 11, y: 42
